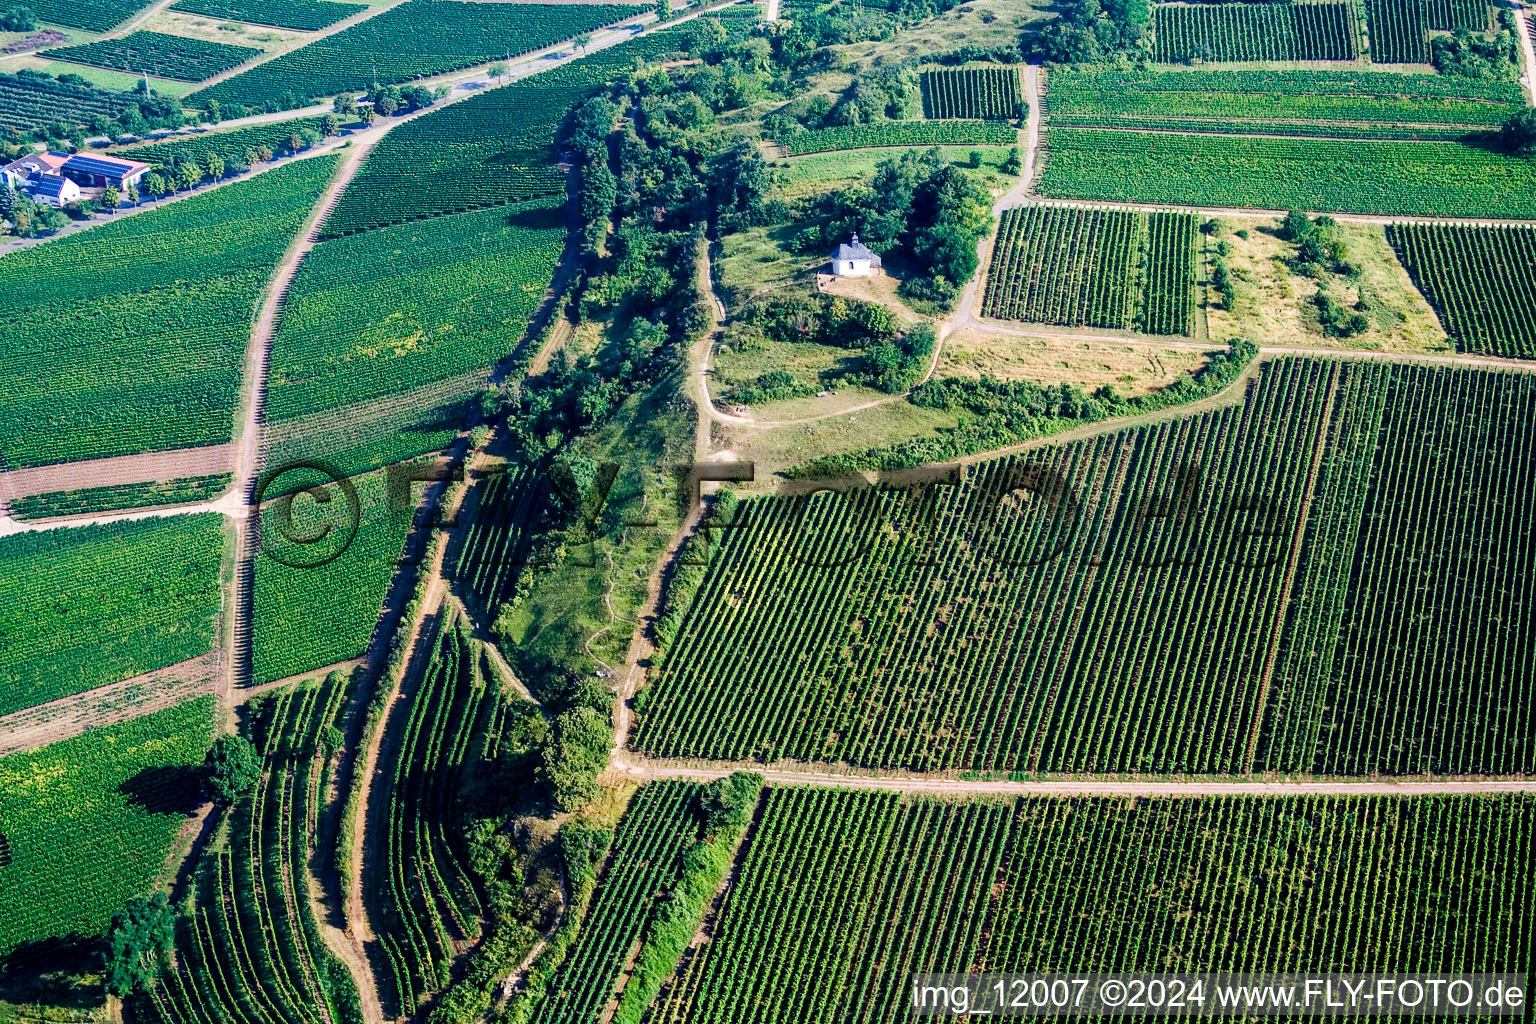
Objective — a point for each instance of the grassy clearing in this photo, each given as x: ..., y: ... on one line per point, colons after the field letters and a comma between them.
x: 1132, y: 368
x: 1274, y: 304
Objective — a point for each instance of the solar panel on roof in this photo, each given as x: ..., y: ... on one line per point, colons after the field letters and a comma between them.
x: 97, y: 165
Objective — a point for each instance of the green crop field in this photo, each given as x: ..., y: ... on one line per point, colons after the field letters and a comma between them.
x: 1482, y: 282
x: 177, y: 57
x: 1094, y: 268
x: 28, y: 103
x: 250, y: 948
x: 988, y: 93
x: 428, y: 895
x: 89, y: 822
x: 493, y: 149
x: 902, y: 133
x: 377, y: 315
x: 1399, y: 31
x: 1255, y: 31
x: 80, y: 608
x: 1394, y: 178
x: 1354, y: 104
x: 819, y: 636
x: 847, y: 894
x: 235, y: 144
x: 415, y: 39
x: 1446, y: 15
x: 131, y: 337
x: 95, y: 500
x: 93, y: 15
x: 301, y: 14
x: 309, y: 612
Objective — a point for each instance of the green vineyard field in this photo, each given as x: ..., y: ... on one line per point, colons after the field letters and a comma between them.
x: 412, y: 40
x: 1328, y: 103
x: 131, y: 337
x: 155, y: 53
x: 493, y: 149
x: 1448, y: 15
x: 94, y: 500
x: 987, y: 93
x: 1482, y: 282
x: 1094, y: 268
x: 250, y: 946
x: 306, y: 616
x: 29, y: 103
x: 794, y: 647
x: 92, y: 15
x: 847, y: 894
x: 902, y: 133
x: 85, y: 607
x: 430, y: 905
x: 236, y: 144
x: 1393, y: 178
x: 90, y: 821
x: 1399, y: 31
x: 300, y: 14
x: 377, y: 315
x: 1255, y: 31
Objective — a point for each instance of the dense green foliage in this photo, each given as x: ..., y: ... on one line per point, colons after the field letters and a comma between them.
x: 234, y: 768
x: 420, y: 38
x: 902, y: 133
x: 302, y: 14
x: 1482, y: 282
x: 141, y: 935
x: 131, y: 337
x: 1256, y: 31
x: 92, y: 500
x: 1139, y: 538
x: 988, y: 93
x: 1091, y: 31
x: 90, y: 821
x: 1115, y: 885
x: 179, y: 57
x: 1333, y: 103
x: 80, y: 608
x: 306, y: 618
x: 1394, y: 178
x: 249, y: 945
x: 1096, y: 268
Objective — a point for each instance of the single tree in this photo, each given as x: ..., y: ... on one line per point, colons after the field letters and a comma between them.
x: 366, y: 115
x: 154, y: 184
x: 497, y: 70
x: 582, y: 40
x: 330, y: 124
x: 133, y: 194
x: 346, y: 103
x: 1519, y: 133
x: 663, y: 9
x: 234, y: 767
x: 387, y: 105
x: 215, y: 166
x: 111, y: 198
x: 139, y: 939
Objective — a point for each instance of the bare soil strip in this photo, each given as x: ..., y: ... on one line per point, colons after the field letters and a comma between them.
x: 139, y: 695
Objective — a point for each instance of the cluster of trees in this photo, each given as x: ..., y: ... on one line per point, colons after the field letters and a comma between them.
x: 26, y: 218
x: 1478, y: 54
x: 18, y: 19
x: 919, y: 208
x: 1323, y: 251
x: 887, y: 91
x: 1093, y: 31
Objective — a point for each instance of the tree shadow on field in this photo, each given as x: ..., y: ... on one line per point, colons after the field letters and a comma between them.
x: 48, y: 971
x: 168, y: 789
x: 538, y: 218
